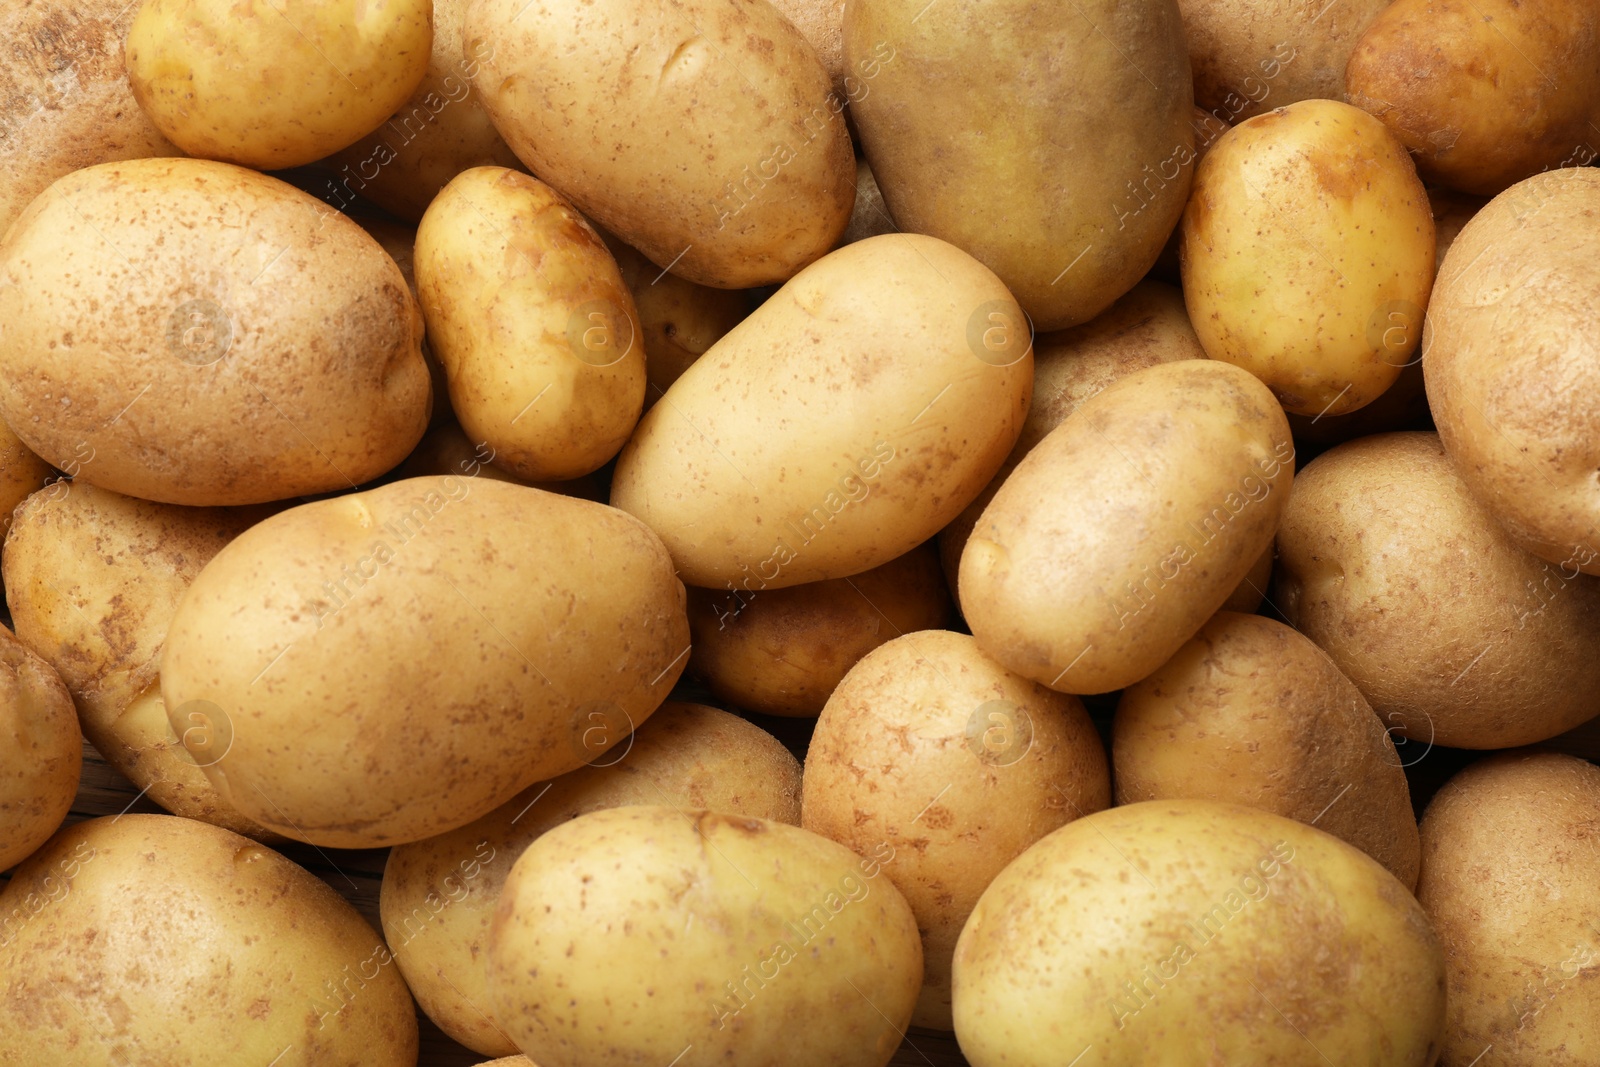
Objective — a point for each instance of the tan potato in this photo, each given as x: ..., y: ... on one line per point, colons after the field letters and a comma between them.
x: 782, y: 651
x: 821, y: 23
x: 870, y: 217
x: 439, y: 894
x: 1250, y: 712
x: 42, y: 753
x: 1453, y: 634
x: 21, y: 473
x: 1128, y: 527
x: 959, y: 765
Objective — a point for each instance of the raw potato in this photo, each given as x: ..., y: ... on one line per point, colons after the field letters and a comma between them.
x: 207, y: 334
x: 92, y: 581
x: 509, y: 635
x: 1188, y: 932
x: 1453, y: 634
x: 782, y: 651
x: 753, y: 941
x: 40, y: 757
x: 821, y: 23
x: 21, y: 473
x: 1127, y: 527
x: 959, y: 765
x: 529, y: 315
x: 1308, y: 254
x: 1509, y: 876
x: 704, y: 133
x: 970, y: 142
x: 117, y: 924
x: 842, y: 424
x: 273, y: 87
x: 1250, y: 712
x: 400, y: 241
x: 439, y: 894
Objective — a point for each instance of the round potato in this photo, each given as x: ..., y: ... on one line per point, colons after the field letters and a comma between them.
x: 439, y: 894
x: 114, y: 927
x: 959, y: 765
x: 42, y: 755
x: 1190, y: 932
x: 1128, y: 526
x: 1250, y: 712
x: 1322, y: 200
x: 731, y: 936
x: 1453, y: 634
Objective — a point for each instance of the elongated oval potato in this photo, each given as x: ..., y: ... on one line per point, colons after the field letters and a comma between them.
x: 702, y: 133
x: 715, y: 931
x: 439, y: 894
x: 197, y: 333
x: 1250, y: 712
x: 959, y: 765
x: 1189, y: 932
x: 970, y: 142
x: 1127, y: 527
x: 118, y: 921
x: 42, y: 753
x: 1512, y: 363
x: 842, y: 424
x: 339, y: 724
x: 528, y: 313
x: 1308, y: 254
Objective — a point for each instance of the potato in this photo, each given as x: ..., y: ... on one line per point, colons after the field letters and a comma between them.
x: 1207, y: 130
x: 870, y: 217
x: 439, y: 894
x: 1453, y: 634
x: 1402, y: 406
x: 1116, y: 936
x: 400, y: 241
x: 92, y: 581
x: 275, y: 87
x: 503, y: 627
x: 1512, y: 363
x: 959, y: 765
x: 1128, y: 526
x: 21, y: 473
x: 1250, y: 712
x: 1509, y: 876
x: 703, y: 134
x: 1484, y: 93
x: 751, y: 941
x: 1320, y: 198
x: 42, y: 755
x: 781, y: 652
x: 523, y: 300
x: 117, y: 925
x: 969, y: 140
x: 137, y: 335
x: 873, y: 396
x: 821, y: 23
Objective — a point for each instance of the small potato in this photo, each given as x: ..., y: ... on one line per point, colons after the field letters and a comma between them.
x: 41, y: 752
x: 1308, y: 255
x: 1250, y: 712
x: 782, y: 651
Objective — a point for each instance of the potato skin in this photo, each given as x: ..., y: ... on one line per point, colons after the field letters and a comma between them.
x: 21, y: 473
x: 1250, y: 712
x: 42, y: 754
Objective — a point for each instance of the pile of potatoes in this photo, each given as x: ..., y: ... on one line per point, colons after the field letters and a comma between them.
x: 1113, y: 442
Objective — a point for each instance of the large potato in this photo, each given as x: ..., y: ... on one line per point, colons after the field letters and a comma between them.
x: 959, y: 765
x: 209, y: 335
x: 508, y: 635
x: 703, y: 133
x: 1128, y: 526
x: 970, y: 141
x: 842, y: 424
x: 1191, y: 933
x: 717, y: 938
x: 41, y: 755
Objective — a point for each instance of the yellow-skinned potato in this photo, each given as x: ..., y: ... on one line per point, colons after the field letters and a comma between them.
x: 874, y: 396
x: 1308, y: 254
x: 1250, y: 712
x: 528, y: 313
x: 115, y: 927
x: 196, y: 333
x: 1193, y: 932
x: 439, y: 894
x: 821, y: 22
x: 1127, y: 527
x: 782, y: 651
x: 339, y: 725
x: 21, y: 473
x: 272, y: 87
x: 959, y: 765
x: 739, y: 937
x: 42, y: 752
x: 702, y: 133
x: 1070, y: 206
